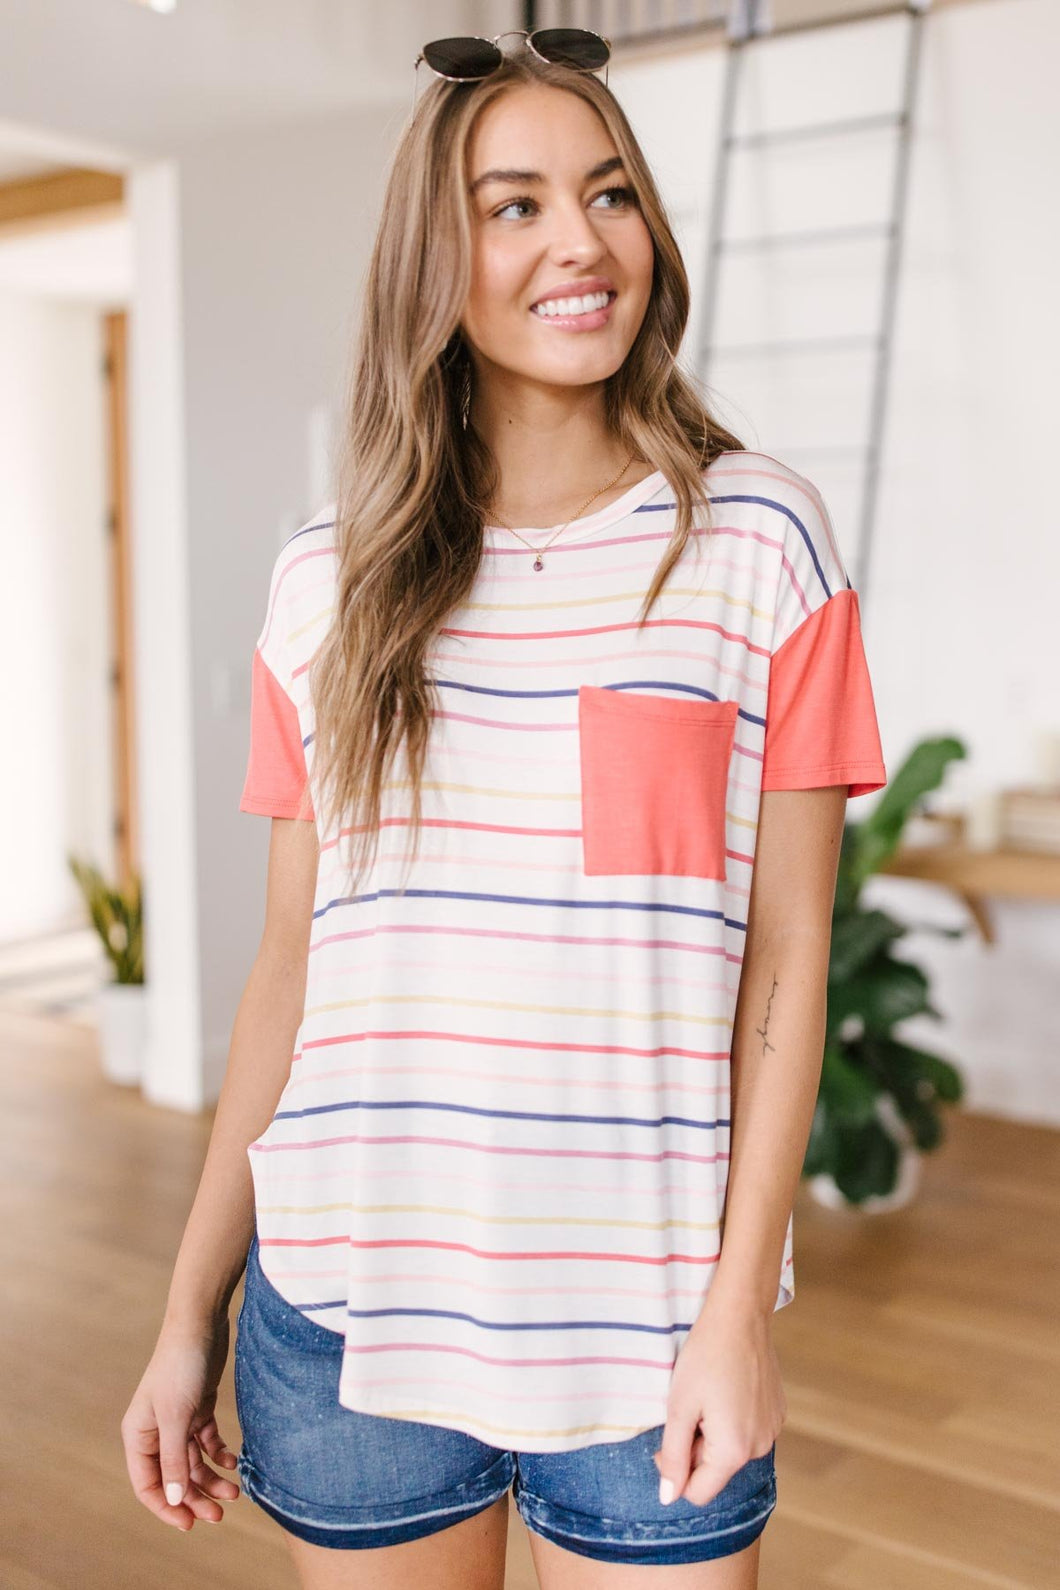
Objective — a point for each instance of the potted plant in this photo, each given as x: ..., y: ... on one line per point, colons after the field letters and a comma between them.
x: 117, y: 916
x: 878, y: 1103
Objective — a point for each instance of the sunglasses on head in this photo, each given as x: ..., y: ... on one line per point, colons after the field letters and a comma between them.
x: 468, y: 60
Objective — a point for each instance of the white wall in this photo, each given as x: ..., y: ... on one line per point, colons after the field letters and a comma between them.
x: 276, y: 228
x: 164, y: 643
x: 56, y: 791
x: 959, y: 620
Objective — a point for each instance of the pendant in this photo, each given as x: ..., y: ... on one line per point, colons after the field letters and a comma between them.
x: 538, y: 563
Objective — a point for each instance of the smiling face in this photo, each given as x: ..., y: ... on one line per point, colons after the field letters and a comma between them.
x: 562, y: 216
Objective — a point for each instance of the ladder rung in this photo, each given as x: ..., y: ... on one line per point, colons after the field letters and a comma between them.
x: 794, y: 345
x: 824, y: 234
x: 820, y: 129
x: 910, y: 8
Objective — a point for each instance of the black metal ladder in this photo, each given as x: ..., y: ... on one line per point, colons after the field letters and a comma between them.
x: 747, y: 25
x: 748, y: 28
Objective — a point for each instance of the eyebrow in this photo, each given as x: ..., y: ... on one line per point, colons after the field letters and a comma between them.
x: 600, y: 170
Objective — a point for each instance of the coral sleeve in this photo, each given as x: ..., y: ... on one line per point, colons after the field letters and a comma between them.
x: 276, y: 768
x: 821, y: 725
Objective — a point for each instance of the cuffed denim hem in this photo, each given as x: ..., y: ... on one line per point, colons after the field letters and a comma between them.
x: 340, y: 1527
x: 622, y: 1540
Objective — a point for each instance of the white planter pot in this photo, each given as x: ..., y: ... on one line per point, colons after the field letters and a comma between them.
x: 910, y: 1161
x: 122, y: 1030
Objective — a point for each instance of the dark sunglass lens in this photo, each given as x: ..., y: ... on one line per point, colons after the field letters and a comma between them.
x: 572, y: 47
x: 468, y: 58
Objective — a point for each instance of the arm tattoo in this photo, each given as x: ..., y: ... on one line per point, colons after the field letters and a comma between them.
x: 765, y: 1025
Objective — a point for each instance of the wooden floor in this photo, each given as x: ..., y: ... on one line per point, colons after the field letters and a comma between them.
x: 920, y: 1357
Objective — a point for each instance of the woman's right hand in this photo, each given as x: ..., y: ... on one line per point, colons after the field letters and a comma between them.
x: 169, y: 1428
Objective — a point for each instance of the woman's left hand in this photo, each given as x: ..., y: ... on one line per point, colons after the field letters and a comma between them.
x: 726, y: 1402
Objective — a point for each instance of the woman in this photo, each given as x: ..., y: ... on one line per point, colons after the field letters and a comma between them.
x: 538, y: 1011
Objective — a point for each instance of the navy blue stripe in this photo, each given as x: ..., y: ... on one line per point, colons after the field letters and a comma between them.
x: 627, y: 684
x: 526, y: 899
x: 536, y: 1325
x: 509, y: 1115
x: 765, y: 502
x: 534, y: 695
x: 325, y: 524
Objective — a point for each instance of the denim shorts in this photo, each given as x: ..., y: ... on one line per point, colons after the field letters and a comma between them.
x: 338, y: 1477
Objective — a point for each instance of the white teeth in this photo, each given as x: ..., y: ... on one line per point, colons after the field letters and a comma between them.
x: 571, y: 306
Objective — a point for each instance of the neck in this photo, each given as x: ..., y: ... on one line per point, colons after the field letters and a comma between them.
x: 552, y: 448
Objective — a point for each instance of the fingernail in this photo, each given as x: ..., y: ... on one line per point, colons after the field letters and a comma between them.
x: 174, y: 1493
x: 666, y: 1490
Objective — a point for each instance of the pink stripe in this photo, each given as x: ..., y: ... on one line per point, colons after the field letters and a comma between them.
x: 598, y: 1085
x: 710, y: 531
x: 450, y: 1383
x: 608, y: 629
x: 507, y: 828
x: 483, y: 1148
x: 636, y: 568
x: 565, y: 974
x: 529, y: 1363
x: 537, y: 1044
x: 796, y: 483
x: 598, y: 1189
x: 554, y: 660
x: 533, y: 938
x: 318, y: 552
x: 793, y: 581
x: 536, y: 1256
x: 550, y: 728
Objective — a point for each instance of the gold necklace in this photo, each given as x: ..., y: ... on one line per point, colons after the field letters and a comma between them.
x: 538, y: 563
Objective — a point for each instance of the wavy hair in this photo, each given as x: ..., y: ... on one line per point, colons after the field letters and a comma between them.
x: 414, y: 479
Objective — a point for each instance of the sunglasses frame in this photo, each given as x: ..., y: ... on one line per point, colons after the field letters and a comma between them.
x: 529, y: 40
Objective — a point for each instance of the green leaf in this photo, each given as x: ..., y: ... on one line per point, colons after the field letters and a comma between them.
x: 878, y: 834
x: 885, y: 991
x: 867, y: 1162
x: 848, y: 1092
x: 116, y: 914
x: 822, y: 1145
x: 856, y: 938
x: 905, y: 1066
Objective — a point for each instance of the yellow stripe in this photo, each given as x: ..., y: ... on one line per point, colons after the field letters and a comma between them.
x: 519, y: 795
x: 490, y: 1220
x: 620, y: 596
x: 455, y: 1415
x: 513, y: 1005
x: 324, y: 613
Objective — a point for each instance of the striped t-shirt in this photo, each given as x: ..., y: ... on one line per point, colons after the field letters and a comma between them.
x: 499, y: 1164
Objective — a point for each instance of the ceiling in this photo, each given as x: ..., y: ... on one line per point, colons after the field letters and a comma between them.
x: 108, y: 82
x: 105, y: 83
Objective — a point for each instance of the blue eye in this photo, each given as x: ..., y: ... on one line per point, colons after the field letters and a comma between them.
x: 626, y: 194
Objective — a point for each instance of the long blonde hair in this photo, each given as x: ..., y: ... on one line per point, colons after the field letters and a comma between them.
x: 414, y: 477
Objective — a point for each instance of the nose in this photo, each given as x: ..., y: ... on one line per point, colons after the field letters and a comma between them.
x: 574, y: 235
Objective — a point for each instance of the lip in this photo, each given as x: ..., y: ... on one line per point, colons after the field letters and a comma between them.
x: 587, y: 284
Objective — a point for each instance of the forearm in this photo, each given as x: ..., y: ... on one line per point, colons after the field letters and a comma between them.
x: 778, y: 1042
x: 217, y: 1235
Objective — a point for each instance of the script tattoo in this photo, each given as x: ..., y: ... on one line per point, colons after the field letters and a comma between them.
x: 765, y: 1025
